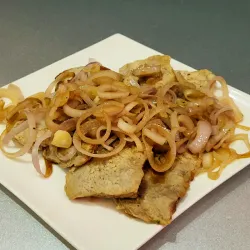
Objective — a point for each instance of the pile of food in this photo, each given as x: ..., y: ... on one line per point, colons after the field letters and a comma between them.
x: 139, y: 136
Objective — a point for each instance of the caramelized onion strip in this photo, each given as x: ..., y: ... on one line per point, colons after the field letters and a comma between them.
x: 116, y: 150
x: 89, y: 140
x: 31, y: 139
x: 168, y: 158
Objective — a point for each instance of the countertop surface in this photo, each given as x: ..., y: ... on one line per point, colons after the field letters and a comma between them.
x: 202, y: 34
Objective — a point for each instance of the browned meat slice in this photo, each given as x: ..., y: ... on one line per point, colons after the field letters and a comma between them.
x: 117, y: 176
x: 159, y: 193
x: 51, y: 153
x: 199, y: 79
x: 153, y: 66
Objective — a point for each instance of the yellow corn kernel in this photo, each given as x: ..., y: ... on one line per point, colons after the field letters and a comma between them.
x: 62, y: 139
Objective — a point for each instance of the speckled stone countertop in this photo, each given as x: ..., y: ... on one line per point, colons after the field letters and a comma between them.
x: 202, y: 34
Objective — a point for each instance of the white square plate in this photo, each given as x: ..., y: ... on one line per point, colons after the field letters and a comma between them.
x: 97, y: 225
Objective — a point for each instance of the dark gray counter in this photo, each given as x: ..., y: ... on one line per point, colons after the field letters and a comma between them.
x: 202, y: 34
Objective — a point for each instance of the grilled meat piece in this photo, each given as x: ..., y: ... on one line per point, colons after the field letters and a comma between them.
x: 159, y: 193
x: 51, y: 154
x: 117, y: 176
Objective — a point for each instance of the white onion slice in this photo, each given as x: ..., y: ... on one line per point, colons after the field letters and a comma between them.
x: 130, y: 106
x: 35, y: 149
x: 154, y: 136
x: 80, y: 77
x: 112, y: 95
x: 72, y: 112
x: 87, y: 99
x: 137, y: 142
x: 186, y: 121
x: 48, y: 92
x: 214, y: 117
x: 104, y: 144
x: 126, y: 127
x: 204, y: 131
x: 109, y: 91
x: 15, y: 131
x: 32, y: 137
